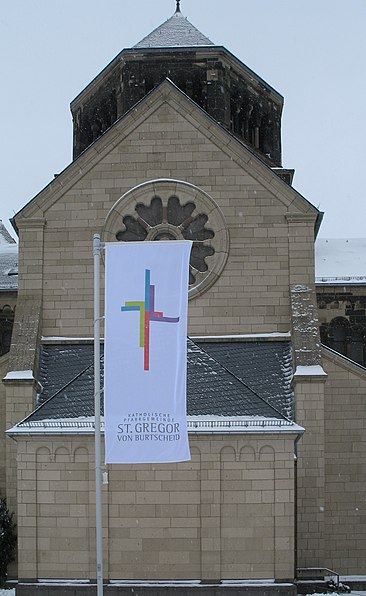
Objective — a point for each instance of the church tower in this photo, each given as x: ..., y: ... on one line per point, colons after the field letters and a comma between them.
x: 209, y: 74
x: 176, y: 139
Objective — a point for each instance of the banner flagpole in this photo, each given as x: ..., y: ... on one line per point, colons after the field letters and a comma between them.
x: 98, y: 471
x: 145, y: 344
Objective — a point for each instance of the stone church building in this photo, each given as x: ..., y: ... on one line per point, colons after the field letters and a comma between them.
x: 177, y: 139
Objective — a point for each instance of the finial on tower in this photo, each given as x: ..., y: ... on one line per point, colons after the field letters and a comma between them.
x: 178, y: 6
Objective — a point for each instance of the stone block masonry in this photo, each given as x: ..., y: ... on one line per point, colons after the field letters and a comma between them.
x: 226, y: 514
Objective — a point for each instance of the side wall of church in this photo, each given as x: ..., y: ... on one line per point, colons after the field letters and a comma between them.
x: 20, y: 399
x: 227, y: 513
x: 4, y: 361
x: 345, y: 465
x: 310, y: 471
x: 252, y: 293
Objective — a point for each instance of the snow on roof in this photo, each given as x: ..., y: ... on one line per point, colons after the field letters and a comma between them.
x: 195, y: 425
x: 314, y: 370
x: 176, y: 31
x: 340, y: 260
x: 5, y: 237
x: 19, y: 375
x: 240, y: 337
x: 8, y: 260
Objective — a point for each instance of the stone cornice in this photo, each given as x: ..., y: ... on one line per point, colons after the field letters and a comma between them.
x: 300, y: 217
x: 202, y: 53
x: 32, y: 222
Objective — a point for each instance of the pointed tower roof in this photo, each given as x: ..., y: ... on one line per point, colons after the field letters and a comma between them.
x: 175, y: 32
x: 5, y: 238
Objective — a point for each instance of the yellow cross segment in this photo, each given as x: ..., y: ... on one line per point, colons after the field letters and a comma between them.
x: 141, y: 306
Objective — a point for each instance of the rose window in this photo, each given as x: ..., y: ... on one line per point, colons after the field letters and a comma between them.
x: 167, y: 209
x: 173, y: 222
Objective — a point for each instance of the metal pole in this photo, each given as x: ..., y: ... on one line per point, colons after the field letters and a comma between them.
x: 98, y: 470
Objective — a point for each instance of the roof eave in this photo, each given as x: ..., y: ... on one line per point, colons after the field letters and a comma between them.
x: 197, y: 425
x: 126, y: 52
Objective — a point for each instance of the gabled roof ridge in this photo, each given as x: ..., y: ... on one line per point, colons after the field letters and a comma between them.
x: 58, y: 392
x: 5, y: 238
x: 343, y: 360
x: 176, y: 31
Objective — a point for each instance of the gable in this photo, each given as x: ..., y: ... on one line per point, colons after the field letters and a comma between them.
x: 188, y: 113
x: 166, y: 140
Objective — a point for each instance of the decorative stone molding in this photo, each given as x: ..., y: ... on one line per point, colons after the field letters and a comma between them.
x: 34, y: 222
x: 305, y: 326
x: 300, y: 217
x: 174, y: 210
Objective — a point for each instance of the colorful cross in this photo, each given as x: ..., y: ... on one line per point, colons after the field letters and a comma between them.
x: 147, y: 315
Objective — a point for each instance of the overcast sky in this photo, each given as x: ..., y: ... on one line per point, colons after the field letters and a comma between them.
x: 311, y: 51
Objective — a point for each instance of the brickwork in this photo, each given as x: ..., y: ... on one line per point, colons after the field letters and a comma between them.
x: 228, y: 513
x: 20, y: 400
x: 30, y: 264
x: 310, y: 472
x: 4, y: 361
x: 345, y: 465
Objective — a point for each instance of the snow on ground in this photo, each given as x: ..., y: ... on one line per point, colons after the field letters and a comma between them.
x: 11, y: 592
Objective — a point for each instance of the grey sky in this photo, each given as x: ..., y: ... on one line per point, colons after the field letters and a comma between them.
x: 310, y: 51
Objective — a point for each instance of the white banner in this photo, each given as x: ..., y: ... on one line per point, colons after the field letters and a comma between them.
x: 146, y: 351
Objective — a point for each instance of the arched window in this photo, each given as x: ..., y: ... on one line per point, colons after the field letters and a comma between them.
x: 357, y: 344
x: 347, y: 339
x: 174, y: 210
x: 6, y: 328
x: 339, y: 335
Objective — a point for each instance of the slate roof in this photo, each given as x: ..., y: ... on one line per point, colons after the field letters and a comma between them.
x: 8, y: 261
x: 175, y: 32
x: 250, y: 379
x: 265, y: 366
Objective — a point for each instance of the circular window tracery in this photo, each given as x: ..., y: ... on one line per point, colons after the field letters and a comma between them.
x: 173, y: 222
x: 174, y: 210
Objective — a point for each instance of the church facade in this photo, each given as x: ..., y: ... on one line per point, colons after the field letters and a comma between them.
x: 177, y: 139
